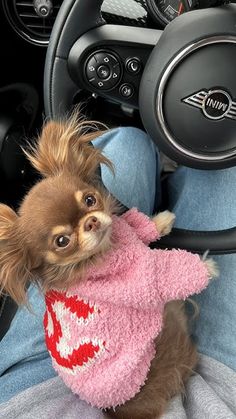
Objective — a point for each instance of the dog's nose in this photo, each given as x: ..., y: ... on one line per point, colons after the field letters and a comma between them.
x: 92, y: 224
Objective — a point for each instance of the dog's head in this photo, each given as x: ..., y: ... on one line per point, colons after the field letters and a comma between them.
x: 65, y: 220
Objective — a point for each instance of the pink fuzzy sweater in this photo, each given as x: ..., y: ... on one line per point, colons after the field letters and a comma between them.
x: 101, y: 332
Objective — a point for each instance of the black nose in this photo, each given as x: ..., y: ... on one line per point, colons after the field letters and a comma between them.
x: 92, y: 224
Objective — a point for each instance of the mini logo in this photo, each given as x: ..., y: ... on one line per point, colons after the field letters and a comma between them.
x: 215, y: 104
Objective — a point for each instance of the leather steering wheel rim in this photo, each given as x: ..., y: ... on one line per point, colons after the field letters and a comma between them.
x: 68, y: 27
x: 75, y: 18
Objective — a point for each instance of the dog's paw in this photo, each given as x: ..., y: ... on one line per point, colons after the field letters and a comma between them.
x: 212, y: 268
x: 164, y: 222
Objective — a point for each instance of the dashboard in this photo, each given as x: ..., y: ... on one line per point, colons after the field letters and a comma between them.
x: 33, y: 19
x: 26, y: 26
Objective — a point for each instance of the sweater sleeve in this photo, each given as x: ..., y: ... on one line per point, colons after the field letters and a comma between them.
x: 180, y: 274
x: 160, y: 276
x: 144, y: 227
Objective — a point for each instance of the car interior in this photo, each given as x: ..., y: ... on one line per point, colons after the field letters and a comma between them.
x: 153, y: 64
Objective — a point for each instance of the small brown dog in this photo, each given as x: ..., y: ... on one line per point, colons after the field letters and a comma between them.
x: 61, y: 228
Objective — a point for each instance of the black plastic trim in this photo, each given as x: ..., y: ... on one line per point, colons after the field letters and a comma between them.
x: 216, y: 242
x: 121, y: 41
x: 8, y: 309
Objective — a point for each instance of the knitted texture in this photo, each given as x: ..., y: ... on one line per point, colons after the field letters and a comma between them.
x: 101, y: 332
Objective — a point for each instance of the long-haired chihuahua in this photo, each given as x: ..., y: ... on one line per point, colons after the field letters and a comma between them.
x: 62, y: 227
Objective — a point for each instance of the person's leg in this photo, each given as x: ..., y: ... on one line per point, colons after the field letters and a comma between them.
x: 206, y: 200
x: 24, y: 360
x: 136, y: 164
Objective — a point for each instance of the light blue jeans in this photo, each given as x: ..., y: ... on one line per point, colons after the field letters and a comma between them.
x: 206, y: 200
x: 200, y: 200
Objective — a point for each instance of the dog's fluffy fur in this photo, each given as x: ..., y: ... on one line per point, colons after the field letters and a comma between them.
x: 68, y: 164
x: 55, y: 207
x: 170, y: 369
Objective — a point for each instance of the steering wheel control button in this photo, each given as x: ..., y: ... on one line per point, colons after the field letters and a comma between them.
x: 126, y: 90
x: 133, y: 65
x: 103, y: 72
x: 91, y: 68
x: 106, y: 58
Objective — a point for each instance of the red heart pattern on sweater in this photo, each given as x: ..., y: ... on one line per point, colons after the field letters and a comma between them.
x: 85, y: 352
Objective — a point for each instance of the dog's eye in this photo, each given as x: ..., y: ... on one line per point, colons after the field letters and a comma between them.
x: 62, y: 241
x: 90, y: 200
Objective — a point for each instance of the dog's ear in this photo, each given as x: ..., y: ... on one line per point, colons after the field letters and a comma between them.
x: 7, y: 220
x: 66, y: 146
x: 15, y: 263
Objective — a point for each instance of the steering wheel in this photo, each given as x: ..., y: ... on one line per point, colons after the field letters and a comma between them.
x: 182, y: 80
